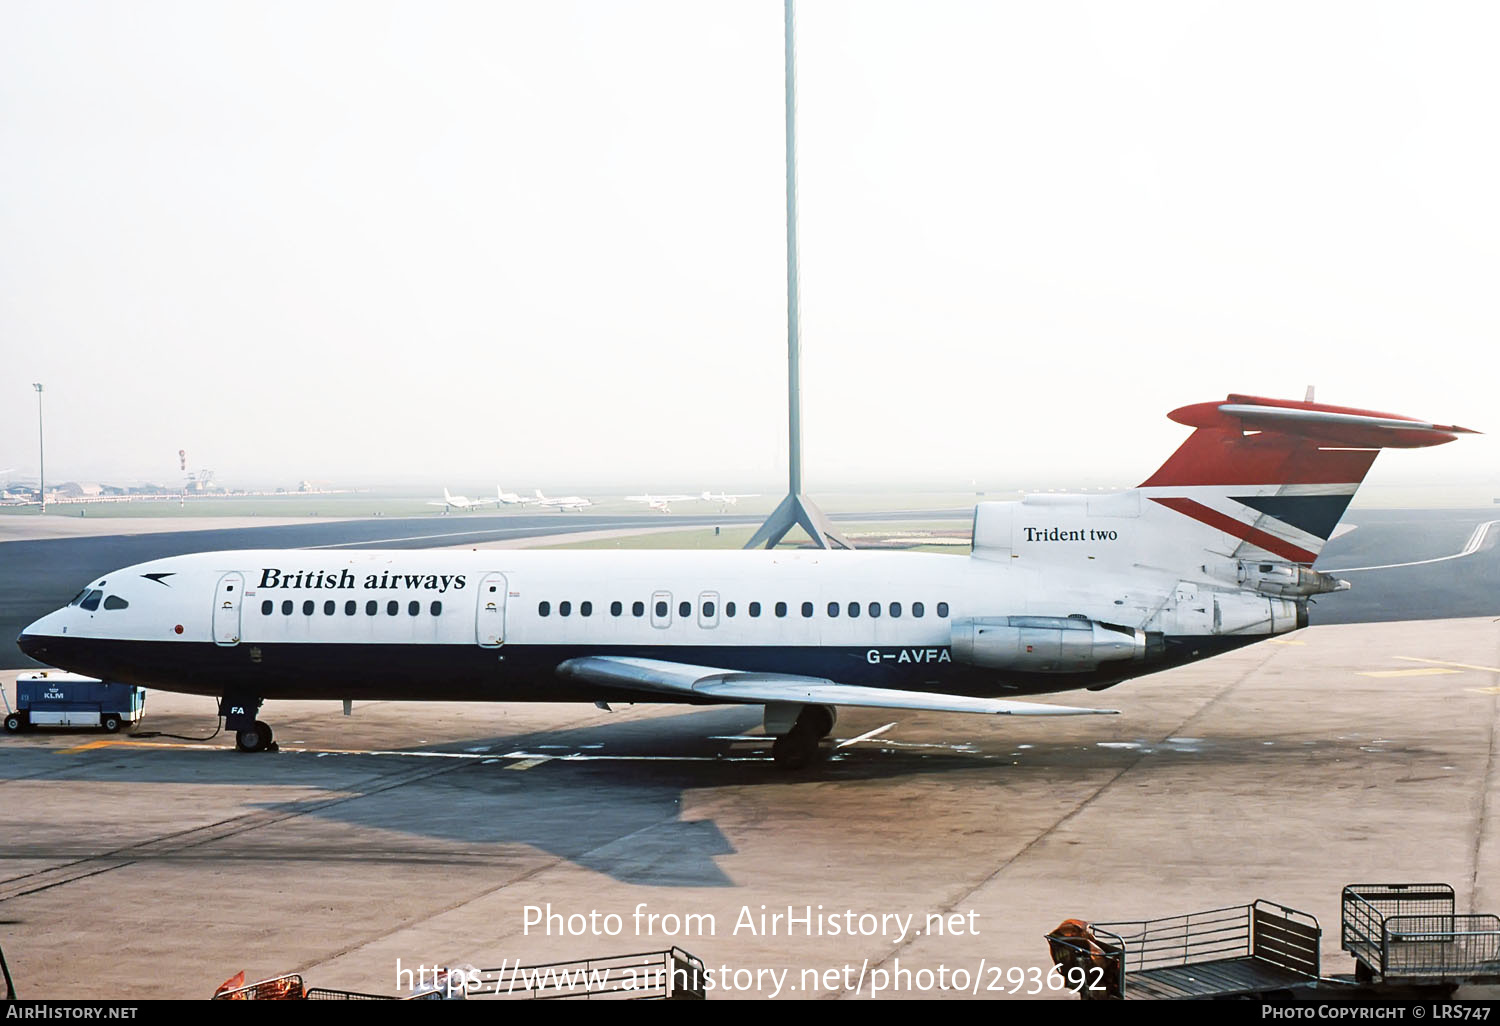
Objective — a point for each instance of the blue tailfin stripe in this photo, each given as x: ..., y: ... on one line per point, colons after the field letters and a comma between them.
x: 1315, y: 514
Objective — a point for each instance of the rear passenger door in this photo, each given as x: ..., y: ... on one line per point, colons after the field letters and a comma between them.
x: 708, y: 610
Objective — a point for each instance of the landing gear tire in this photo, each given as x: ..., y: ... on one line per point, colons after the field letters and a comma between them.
x: 111, y: 723
x: 818, y: 719
x: 255, y: 739
x: 14, y: 723
x: 795, y: 750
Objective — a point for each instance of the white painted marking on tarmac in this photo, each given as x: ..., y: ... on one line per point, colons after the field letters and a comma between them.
x: 1470, y: 547
x: 866, y: 735
x: 526, y: 764
x: 1118, y: 744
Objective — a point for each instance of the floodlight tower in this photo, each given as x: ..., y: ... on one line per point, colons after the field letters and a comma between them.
x: 41, y: 450
x: 796, y: 509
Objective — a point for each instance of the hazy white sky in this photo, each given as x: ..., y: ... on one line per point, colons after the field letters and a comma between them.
x: 542, y: 243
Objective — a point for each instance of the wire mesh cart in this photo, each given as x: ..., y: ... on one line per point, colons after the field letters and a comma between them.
x: 1412, y: 933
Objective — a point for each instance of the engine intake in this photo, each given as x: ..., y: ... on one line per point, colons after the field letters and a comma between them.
x: 1048, y: 644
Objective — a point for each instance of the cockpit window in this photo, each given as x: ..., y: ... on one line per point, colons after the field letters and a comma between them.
x: 91, y: 600
x: 78, y: 598
x: 115, y: 602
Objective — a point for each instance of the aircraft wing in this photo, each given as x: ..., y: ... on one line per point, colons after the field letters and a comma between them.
x: 759, y: 688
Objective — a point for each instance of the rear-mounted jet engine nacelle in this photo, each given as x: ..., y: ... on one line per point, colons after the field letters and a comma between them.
x: 1282, y: 579
x: 1048, y: 644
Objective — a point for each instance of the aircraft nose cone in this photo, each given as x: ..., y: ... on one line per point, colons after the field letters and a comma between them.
x: 34, y: 645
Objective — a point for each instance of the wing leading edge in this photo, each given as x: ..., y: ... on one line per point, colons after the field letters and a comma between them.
x: 759, y: 688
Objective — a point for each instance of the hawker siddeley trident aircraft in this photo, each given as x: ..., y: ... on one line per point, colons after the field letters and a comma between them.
x: 1212, y: 552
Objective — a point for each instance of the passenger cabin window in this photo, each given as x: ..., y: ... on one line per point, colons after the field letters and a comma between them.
x: 351, y: 607
x: 833, y: 609
x: 91, y: 600
x: 615, y: 609
x: 413, y: 608
x: 266, y: 607
x: 307, y: 607
x: 372, y: 607
x: 329, y: 607
x: 708, y: 610
x: 585, y: 609
x: 638, y: 609
x: 565, y: 609
x: 854, y: 610
x: 874, y: 609
x: 115, y: 602
x: 918, y: 610
x: 436, y: 608
x: 286, y: 607
x: 729, y: 609
x: 392, y: 607
x: 807, y: 609
x: 781, y: 609
x: 895, y: 609
x: 544, y: 609
x: 661, y: 609
x: 684, y: 609
x: 755, y: 609
x: 942, y: 609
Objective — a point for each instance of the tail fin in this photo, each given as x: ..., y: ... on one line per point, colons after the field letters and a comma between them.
x: 1275, y: 474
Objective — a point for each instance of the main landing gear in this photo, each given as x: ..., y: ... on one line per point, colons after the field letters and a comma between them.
x: 796, y: 745
x: 250, y: 734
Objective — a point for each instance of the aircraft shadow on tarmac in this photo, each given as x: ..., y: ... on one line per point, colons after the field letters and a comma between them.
x: 610, y: 797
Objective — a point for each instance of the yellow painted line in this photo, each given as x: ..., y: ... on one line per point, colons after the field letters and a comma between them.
x: 526, y: 764
x: 1449, y: 662
x: 88, y: 747
x: 1287, y: 641
x: 1487, y: 691
x: 1431, y: 671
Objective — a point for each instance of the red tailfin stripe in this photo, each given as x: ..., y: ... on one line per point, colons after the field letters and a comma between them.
x: 1241, y: 530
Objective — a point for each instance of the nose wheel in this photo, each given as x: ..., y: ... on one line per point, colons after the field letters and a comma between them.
x: 256, y: 738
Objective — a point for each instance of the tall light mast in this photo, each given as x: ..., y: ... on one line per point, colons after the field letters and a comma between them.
x: 41, y: 449
x: 796, y: 509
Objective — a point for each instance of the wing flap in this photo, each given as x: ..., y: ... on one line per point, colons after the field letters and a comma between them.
x: 759, y: 688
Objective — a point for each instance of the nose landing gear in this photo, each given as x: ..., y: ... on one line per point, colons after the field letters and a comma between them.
x: 250, y: 734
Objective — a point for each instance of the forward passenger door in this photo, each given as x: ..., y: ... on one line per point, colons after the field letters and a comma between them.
x: 489, y: 618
